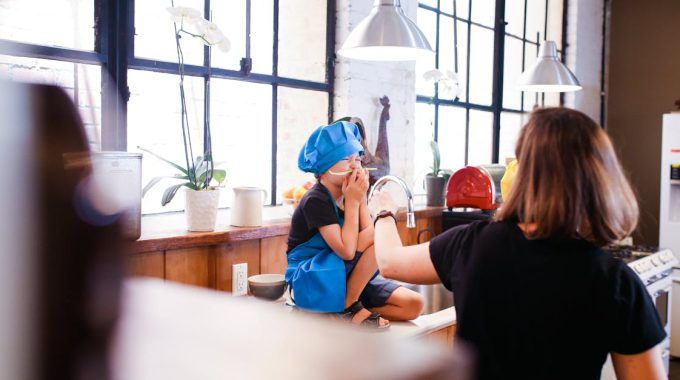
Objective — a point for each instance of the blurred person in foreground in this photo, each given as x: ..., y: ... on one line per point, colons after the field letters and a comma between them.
x: 61, y: 261
x: 535, y: 294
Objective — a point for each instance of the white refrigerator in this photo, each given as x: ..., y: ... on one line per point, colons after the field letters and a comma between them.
x: 669, y: 213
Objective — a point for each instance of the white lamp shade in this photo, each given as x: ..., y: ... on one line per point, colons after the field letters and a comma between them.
x: 386, y: 34
x: 548, y: 74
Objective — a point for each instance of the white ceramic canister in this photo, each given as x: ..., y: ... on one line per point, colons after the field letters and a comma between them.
x: 246, y: 210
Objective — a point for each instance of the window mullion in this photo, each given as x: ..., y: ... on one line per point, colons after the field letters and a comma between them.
x: 497, y: 91
x: 115, y: 33
x: 275, y: 101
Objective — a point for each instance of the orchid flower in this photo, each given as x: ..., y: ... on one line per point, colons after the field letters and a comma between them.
x: 199, y: 172
x: 449, y: 85
x: 178, y: 14
x: 207, y: 31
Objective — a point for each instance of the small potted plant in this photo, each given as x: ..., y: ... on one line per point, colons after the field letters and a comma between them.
x: 198, y: 174
x: 436, y: 180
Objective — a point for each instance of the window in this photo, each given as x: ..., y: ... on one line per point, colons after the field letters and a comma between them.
x: 471, y: 126
x: 258, y: 119
x: 63, y: 56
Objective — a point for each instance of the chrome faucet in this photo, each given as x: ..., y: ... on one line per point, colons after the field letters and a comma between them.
x: 410, y: 214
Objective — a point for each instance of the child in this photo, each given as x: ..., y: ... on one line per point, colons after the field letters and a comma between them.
x: 331, y: 259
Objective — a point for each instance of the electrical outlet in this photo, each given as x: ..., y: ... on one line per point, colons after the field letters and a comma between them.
x: 239, y: 279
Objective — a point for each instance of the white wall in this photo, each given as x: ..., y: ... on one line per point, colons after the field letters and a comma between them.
x: 584, y: 54
x: 359, y: 85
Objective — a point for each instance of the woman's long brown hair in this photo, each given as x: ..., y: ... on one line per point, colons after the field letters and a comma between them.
x: 569, y: 181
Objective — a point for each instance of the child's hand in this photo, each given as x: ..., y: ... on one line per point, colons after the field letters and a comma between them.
x: 355, y: 185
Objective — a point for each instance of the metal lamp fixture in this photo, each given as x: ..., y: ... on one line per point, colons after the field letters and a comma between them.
x: 386, y: 34
x: 548, y: 74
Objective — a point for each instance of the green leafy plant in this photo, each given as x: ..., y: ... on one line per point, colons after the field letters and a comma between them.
x: 199, y: 172
x: 198, y: 176
x: 437, y: 171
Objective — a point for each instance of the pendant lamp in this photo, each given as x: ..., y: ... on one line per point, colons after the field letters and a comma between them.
x: 548, y: 74
x: 386, y: 34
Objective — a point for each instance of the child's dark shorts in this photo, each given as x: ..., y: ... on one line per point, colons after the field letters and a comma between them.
x: 377, y: 291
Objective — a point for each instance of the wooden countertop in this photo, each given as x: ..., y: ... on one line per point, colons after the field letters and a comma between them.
x: 168, y: 231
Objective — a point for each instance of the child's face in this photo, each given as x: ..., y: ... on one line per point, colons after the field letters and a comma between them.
x: 348, y: 163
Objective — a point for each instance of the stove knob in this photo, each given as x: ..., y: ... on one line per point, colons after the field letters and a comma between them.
x: 657, y: 261
x: 637, y: 268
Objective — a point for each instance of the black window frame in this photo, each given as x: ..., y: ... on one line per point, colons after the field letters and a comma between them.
x: 500, y: 34
x: 114, y: 52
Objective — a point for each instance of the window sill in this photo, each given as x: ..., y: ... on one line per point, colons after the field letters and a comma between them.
x: 168, y: 231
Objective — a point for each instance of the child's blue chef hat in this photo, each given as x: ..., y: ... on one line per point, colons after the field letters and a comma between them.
x: 329, y: 144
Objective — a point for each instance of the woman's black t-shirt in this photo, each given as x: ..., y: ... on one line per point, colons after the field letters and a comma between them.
x: 542, y: 309
x: 314, y: 210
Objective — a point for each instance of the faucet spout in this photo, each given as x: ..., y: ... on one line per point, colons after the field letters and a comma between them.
x: 410, y: 213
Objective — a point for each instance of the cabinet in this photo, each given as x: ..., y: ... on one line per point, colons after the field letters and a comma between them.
x: 205, y: 259
x: 443, y: 336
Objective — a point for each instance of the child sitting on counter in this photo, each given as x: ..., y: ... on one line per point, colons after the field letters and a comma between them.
x: 331, y: 260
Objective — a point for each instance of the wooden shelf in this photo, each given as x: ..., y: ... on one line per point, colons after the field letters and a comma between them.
x: 168, y: 231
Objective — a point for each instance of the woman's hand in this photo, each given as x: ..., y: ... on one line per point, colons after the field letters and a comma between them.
x: 381, y: 200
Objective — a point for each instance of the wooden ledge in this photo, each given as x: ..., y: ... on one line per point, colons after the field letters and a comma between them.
x: 168, y: 231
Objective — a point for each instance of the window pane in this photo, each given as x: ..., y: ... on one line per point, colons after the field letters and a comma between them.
x: 484, y: 12
x: 481, y: 65
x: 241, y: 119
x: 552, y: 99
x: 462, y: 31
x: 535, y: 19
x: 480, y: 138
x: 299, y: 113
x: 160, y: 131
x: 231, y: 17
x: 34, y: 21
x: 83, y: 89
x: 530, y: 98
x: 302, y: 57
x: 555, y: 8
x: 446, y: 44
x: 446, y: 6
x: 155, y: 34
x: 422, y: 153
x: 427, y: 22
x: 463, y: 9
x: 514, y: 16
x: 431, y: 3
x: 511, y: 124
x: 452, y: 137
x: 512, y: 68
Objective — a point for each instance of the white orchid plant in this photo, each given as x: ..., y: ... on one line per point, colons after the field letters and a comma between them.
x: 199, y: 172
x: 448, y: 83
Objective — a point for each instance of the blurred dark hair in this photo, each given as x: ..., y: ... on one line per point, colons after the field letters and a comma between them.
x: 79, y: 262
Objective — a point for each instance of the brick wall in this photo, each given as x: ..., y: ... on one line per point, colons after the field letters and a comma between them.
x: 359, y: 85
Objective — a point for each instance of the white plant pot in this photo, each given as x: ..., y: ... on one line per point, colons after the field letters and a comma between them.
x: 201, y: 209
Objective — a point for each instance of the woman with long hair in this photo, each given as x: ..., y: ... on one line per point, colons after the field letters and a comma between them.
x: 536, y: 297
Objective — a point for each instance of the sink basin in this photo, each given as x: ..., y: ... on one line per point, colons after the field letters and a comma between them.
x: 436, y: 296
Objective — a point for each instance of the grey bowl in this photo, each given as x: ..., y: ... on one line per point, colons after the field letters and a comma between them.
x: 267, y: 286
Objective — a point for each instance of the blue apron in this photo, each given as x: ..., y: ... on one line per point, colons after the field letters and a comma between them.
x: 316, y: 274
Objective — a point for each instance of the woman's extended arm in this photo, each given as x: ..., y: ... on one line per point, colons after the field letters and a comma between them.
x: 409, y: 264
x: 646, y: 365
